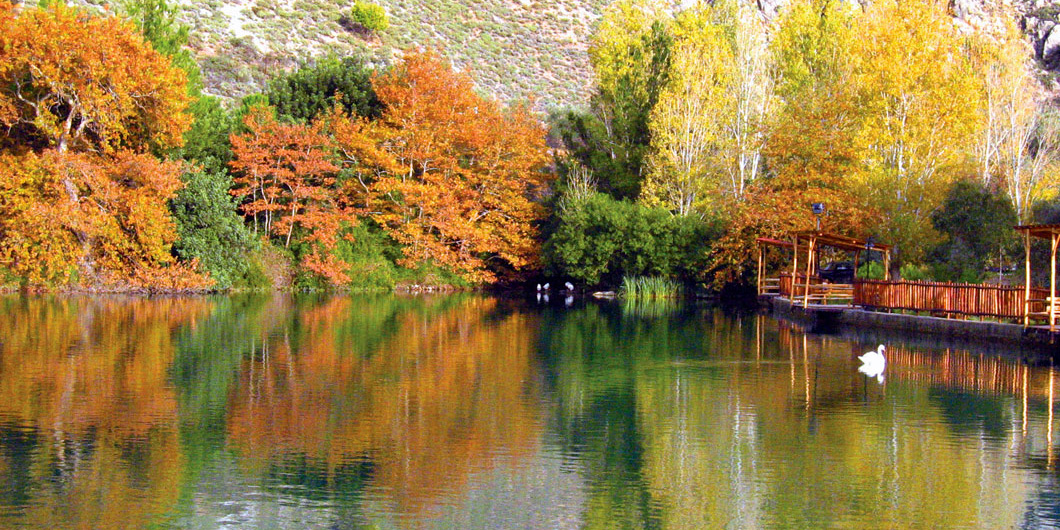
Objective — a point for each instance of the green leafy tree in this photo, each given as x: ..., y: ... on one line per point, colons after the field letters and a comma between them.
x: 316, y: 87
x: 206, y: 142
x: 210, y: 230
x: 977, y: 227
x: 630, y: 54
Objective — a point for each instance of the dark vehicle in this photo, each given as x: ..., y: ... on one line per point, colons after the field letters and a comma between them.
x: 838, y: 272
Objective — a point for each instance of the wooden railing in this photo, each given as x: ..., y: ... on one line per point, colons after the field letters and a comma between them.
x: 769, y: 286
x: 787, y: 286
x: 949, y: 299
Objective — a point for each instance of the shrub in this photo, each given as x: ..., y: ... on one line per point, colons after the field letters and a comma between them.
x: 872, y: 270
x: 914, y: 273
x: 371, y: 17
x: 209, y: 229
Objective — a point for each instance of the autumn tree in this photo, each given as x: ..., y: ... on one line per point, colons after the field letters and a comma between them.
x: 914, y: 78
x: 687, y: 123
x: 812, y: 141
x: 1017, y: 142
x: 73, y: 81
x: 83, y: 98
x: 448, y: 174
x: 285, y: 178
x: 708, y: 128
x: 752, y: 98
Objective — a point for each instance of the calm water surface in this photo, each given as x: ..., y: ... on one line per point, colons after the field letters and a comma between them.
x: 475, y: 412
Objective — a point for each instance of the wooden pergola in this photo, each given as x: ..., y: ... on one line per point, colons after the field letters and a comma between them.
x: 1052, y: 233
x: 811, y: 241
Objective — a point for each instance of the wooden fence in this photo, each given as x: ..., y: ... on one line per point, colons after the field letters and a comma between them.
x: 947, y: 299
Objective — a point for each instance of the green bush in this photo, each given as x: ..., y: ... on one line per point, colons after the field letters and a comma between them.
x: 872, y: 270
x: 598, y: 239
x: 369, y: 16
x: 371, y: 257
x: 209, y: 229
x: 915, y: 273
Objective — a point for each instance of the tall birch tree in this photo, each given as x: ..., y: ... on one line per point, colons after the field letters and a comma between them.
x: 689, y: 120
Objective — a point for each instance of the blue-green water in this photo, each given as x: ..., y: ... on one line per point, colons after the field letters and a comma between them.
x: 477, y: 412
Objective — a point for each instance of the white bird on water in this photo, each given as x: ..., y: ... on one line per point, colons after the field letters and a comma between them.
x: 873, y: 363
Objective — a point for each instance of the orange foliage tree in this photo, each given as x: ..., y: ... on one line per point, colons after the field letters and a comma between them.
x: 79, y: 82
x: 285, y: 176
x: 119, y: 226
x: 449, y: 174
x: 83, y: 98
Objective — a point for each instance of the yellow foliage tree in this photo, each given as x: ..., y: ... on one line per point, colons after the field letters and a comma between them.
x: 687, y: 123
x: 708, y: 127
x: 1018, y: 140
x: 914, y: 79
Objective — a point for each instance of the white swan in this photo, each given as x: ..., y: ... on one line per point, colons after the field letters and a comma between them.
x: 873, y: 363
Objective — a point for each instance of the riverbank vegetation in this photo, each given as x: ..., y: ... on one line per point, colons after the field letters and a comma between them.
x: 889, y: 114
x: 707, y: 127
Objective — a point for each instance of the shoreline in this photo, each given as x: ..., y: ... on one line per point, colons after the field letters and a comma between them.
x: 847, y: 321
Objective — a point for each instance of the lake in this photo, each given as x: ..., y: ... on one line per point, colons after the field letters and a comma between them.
x: 468, y: 411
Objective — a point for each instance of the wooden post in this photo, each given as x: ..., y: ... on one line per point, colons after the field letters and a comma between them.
x: 760, y: 269
x: 857, y: 260
x: 1055, y: 238
x: 795, y: 267
x: 1027, y: 279
x: 809, y: 269
x: 887, y: 265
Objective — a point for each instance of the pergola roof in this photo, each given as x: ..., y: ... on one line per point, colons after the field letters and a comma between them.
x: 774, y: 242
x: 841, y: 242
x: 1042, y: 231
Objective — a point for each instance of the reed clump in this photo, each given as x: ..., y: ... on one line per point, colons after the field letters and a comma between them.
x: 646, y: 287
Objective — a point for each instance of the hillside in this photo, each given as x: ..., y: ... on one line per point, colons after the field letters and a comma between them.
x: 516, y: 49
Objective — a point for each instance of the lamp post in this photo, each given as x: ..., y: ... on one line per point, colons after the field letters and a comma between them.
x: 818, y: 210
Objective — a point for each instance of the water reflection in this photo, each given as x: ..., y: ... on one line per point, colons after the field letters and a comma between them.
x: 477, y: 412
x: 88, y: 423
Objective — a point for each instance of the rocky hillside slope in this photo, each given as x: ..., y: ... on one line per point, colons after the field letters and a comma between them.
x: 516, y: 49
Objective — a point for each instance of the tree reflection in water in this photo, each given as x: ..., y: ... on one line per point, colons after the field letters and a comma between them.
x: 471, y: 411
